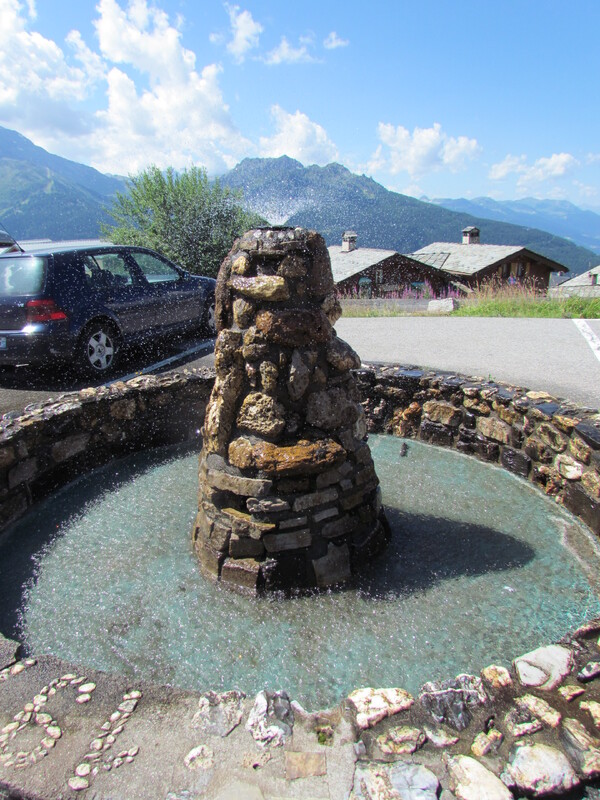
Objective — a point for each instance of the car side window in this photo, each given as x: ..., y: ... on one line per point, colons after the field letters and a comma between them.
x: 107, y: 271
x: 155, y: 269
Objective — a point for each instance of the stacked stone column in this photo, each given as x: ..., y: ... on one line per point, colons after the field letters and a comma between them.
x: 288, y: 493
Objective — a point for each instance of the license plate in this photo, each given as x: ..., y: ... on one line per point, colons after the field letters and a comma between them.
x: 2, y: 342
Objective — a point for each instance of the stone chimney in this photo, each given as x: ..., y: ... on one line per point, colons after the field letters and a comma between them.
x: 349, y: 241
x: 470, y: 235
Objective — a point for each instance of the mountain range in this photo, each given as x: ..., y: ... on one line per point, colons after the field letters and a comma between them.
x: 558, y: 216
x: 46, y: 196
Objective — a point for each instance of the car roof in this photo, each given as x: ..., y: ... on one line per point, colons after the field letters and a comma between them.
x: 45, y: 248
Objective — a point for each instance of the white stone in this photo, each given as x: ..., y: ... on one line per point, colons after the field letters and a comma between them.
x: 400, y: 781
x: 373, y: 705
x: 545, y: 667
x: 53, y: 731
x: 539, y: 769
x: 444, y: 306
x: 439, y: 737
x: 540, y: 709
x: 200, y: 757
x: 86, y: 688
x: 83, y: 698
x: 594, y: 708
x: 470, y: 780
x: 77, y: 784
x: 83, y: 770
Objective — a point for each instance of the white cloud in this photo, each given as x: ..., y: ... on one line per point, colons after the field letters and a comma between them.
x: 299, y: 137
x: 285, y: 53
x: 159, y: 108
x: 509, y: 165
x: 33, y: 69
x: 333, y: 41
x: 543, y: 169
x: 245, y: 32
x: 425, y: 150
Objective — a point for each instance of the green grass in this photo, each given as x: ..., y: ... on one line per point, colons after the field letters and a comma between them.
x: 491, y: 300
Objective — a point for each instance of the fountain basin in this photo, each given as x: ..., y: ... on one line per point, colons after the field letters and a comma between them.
x: 480, y: 569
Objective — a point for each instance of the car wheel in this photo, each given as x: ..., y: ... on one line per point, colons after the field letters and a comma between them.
x: 209, y: 318
x: 98, y: 348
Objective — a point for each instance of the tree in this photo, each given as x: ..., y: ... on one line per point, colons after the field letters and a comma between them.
x: 181, y: 215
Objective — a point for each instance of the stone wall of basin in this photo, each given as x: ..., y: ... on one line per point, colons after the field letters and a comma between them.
x: 51, y: 443
x: 553, y: 443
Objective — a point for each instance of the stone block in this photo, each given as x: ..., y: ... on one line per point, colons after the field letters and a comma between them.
x: 553, y: 438
x: 589, y: 433
x: 242, y: 572
x: 339, y: 527
x: 568, y: 468
x: 70, y: 447
x: 373, y: 705
x: 544, y: 668
x: 293, y: 540
x: 443, y: 306
x: 315, y: 499
x: 304, y: 458
x: 540, y: 770
x: 261, y: 415
x: 7, y: 457
x: 23, y: 472
x: 436, y: 433
x: 243, y: 524
x: 334, y: 567
x: 538, y: 450
x: 442, y: 412
x: 515, y: 461
x: 494, y: 429
x: 265, y: 288
x: 578, y: 502
x: 295, y: 328
x: 341, y: 356
x: 257, y: 487
x: 245, y: 547
x: 291, y: 523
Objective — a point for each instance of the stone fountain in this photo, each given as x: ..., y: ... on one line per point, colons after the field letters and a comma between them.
x: 288, y: 494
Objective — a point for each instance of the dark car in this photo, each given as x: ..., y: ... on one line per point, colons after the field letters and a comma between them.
x: 82, y: 304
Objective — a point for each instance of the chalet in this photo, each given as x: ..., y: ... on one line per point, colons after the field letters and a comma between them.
x: 373, y: 272
x: 585, y: 285
x: 470, y: 263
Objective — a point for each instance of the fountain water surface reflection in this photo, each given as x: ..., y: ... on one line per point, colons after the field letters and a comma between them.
x: 477, y: 572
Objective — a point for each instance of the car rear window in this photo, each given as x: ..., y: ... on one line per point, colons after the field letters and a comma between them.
x: 20, y: 275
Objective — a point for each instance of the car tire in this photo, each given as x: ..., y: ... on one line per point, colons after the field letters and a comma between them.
x: 209, y: 318
x: 98, y: 348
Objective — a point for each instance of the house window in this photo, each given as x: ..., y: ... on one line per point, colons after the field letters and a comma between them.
x: 505, y: 270
x: 379, y: 275
x: 520, y: 269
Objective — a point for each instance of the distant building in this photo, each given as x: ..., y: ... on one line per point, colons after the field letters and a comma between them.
x: 585, y: 285
x: 373, y: 272
x: 471, y: 262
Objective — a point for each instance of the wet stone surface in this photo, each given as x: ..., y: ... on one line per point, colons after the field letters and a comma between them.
x: 284, y: 432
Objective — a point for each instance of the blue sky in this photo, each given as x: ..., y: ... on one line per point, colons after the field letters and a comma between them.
x: 429, y: 97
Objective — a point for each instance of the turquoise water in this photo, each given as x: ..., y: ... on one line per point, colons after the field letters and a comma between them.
x: 476, y: 573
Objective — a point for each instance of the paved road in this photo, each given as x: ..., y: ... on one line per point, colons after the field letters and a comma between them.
x: 547, y: 355
x: 543, y: 354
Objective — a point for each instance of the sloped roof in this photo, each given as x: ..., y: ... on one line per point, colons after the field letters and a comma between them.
x: 344, y: 265
x: 584, y: 279
x: 464, y: 259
